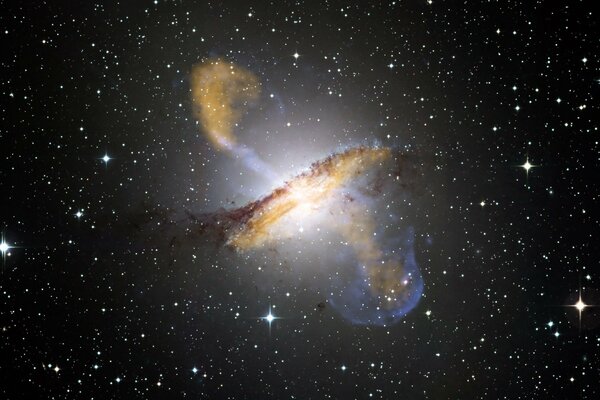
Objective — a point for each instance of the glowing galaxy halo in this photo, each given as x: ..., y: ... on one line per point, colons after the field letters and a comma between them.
x: 379, y: 282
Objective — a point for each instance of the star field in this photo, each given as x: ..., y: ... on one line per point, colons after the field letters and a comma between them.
x: 119, y: 203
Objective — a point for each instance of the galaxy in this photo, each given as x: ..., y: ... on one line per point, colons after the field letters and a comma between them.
x: 300, y: 200
x: 328, y: 194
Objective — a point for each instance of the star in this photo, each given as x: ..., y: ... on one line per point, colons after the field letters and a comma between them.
x: 79, y: 214
x: 195, y: 370
x: 527, y: 166
x: 269, y: 318
x: 296, y: 55
x: 482, y: 204
x: 56, y: 369
x: 106, y: 158
x: 4, y: 247
x: 580, y: 305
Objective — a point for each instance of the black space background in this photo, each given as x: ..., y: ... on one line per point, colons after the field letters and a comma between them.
x: 82, y: 79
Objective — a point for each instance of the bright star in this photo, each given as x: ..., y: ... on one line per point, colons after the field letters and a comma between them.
x: 194, y: 370
x: 527, y: 166
x: 79, y: 214
x: 269, y: 318
x: 580, y: 305
x: 296, y: 55
x: 4, y: 248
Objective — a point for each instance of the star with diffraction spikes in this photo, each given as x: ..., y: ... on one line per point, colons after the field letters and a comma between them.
x: 4, y: 249
x: 269, y: 318
x: 580, y: 305
x: 527, y: 166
